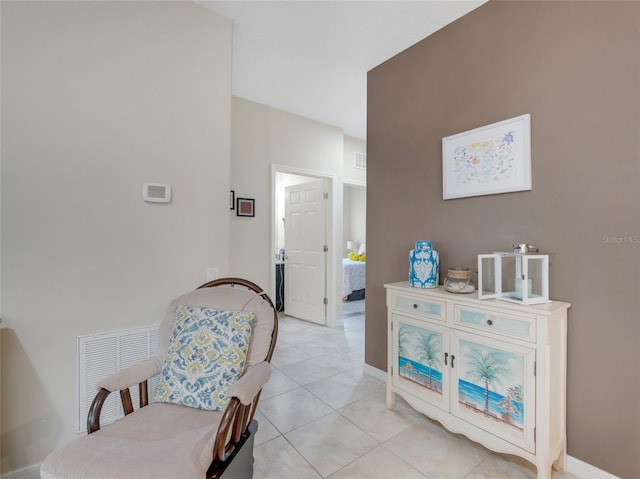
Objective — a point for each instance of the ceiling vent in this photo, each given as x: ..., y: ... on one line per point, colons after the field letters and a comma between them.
x: 360, y: 161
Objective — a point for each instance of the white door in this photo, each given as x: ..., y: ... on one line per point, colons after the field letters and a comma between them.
x: 304, y: 242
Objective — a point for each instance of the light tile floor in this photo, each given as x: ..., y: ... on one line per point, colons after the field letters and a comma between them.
x: 321, y: 416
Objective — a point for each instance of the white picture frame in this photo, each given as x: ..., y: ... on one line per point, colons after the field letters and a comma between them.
x: 489, y: 160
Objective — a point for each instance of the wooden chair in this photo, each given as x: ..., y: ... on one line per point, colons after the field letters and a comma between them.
x: 172, y: 441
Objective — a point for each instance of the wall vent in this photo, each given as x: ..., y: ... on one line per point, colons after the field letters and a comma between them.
x: 360, y: 161
x: 105, y: 353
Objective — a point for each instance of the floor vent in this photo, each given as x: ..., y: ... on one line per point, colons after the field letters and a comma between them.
x: 360, y: 161
x: 105, y: 353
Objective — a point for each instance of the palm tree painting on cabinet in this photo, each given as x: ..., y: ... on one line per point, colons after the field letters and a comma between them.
x: 419, y: 353
x: 490, y: 383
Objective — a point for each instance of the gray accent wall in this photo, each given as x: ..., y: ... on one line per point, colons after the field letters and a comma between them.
x: 575, y: 67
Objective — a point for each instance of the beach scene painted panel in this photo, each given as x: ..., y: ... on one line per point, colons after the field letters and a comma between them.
x: 419, y: 353
x: 490, y: 384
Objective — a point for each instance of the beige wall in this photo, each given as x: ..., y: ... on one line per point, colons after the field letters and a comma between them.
x: 263, y: 136
x: 98, y: 97
x: 355, y: 179
x: 574, y: 66
x: 354, y: 215
x: 351, y: 174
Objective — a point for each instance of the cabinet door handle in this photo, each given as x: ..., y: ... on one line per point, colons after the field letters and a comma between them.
x: 452, y: 358
x: 415, y: 306
x: 489, y: 322
x: 446, y: 355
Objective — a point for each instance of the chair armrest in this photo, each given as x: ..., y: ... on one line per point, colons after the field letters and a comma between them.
x: 249, y: 385
x: 240, y: 409
x: 132, y: 375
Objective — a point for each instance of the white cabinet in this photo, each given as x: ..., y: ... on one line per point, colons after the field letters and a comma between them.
x: 491, y: 370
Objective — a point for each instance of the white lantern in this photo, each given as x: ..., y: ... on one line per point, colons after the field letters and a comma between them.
x: 517, y: 277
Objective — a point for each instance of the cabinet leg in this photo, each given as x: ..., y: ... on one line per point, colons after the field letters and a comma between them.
x: 560, y: 464
x: 544, y: 470
x: 391, y: 399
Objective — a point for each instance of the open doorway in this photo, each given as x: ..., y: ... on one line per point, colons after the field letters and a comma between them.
x: 304, y: 280
x: 354, y: 227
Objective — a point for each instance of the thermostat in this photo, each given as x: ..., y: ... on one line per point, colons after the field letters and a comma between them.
x: 156, y: 192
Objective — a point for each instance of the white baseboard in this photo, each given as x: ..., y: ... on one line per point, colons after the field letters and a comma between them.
x: 375, y: 372
x: 29, y: 472
x: 586, y: 471
x: 575, y: 466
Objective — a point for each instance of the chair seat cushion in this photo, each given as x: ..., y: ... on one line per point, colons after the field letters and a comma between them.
x: 159, y: 441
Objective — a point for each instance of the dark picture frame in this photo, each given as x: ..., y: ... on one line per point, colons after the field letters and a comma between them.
x: 232, y: 200
x: 245, y: 207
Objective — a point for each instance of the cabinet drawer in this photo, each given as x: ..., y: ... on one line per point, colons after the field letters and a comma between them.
x: 433, y: 309
x: 522, y: 327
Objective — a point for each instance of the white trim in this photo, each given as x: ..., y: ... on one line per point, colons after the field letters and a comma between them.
x: 29, y: 472
x: 584, y: 470
x: 575, y: 466
x: 375, y: 372
x: 349, y: 182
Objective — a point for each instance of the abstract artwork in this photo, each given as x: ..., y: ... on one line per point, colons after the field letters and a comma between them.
x: 492, y: 159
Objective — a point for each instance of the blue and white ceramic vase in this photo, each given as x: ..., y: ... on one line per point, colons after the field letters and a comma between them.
x: 424, y: 266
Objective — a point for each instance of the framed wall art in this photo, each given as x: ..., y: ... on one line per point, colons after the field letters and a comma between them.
x: 232, y: 199
x: 245, y: 207
x: 488, y: 160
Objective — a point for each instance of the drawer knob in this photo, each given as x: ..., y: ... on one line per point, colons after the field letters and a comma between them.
x: 489, y: 322
x: 415, y: 306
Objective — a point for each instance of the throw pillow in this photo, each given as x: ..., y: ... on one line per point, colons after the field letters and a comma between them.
x: 207, y: 353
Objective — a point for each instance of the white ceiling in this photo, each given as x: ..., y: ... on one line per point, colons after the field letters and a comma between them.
x: 312, y: 57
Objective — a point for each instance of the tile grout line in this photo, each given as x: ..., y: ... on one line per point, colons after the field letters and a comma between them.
x: 332, y: 410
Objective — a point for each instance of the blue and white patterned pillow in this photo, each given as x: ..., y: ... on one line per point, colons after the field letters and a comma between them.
x: 207, y: 354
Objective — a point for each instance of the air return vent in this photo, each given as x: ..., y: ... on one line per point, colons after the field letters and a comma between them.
x: 360, y: 161
x: 106, y: 353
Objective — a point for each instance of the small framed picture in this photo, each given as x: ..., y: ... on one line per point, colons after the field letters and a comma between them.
x: 232, y: 200
x: 245, y: 207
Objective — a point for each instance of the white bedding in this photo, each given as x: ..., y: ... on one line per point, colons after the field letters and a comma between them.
x: 353, y: 276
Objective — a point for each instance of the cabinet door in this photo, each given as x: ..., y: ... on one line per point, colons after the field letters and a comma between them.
x: 493, y: 387
x: 419, y: 362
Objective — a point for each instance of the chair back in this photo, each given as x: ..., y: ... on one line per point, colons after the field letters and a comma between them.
x: 230, y: 294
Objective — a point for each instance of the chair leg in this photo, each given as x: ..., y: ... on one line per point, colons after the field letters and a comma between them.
x: 239, y: 465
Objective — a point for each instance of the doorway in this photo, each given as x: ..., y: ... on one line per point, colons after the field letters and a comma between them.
x: 306, y: 287
x: 354, y: 227
x: 305, y: 250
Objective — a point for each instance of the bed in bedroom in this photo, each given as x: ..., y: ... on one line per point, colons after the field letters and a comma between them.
x: 353, y: 279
